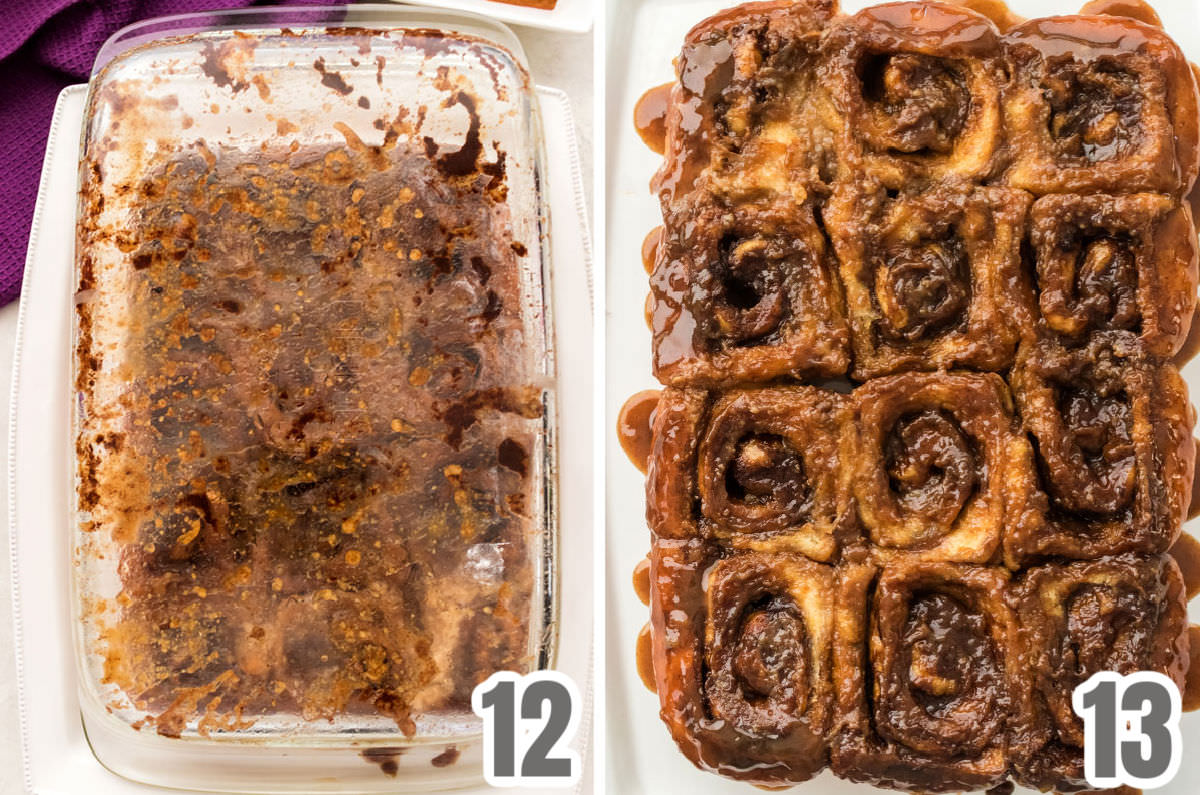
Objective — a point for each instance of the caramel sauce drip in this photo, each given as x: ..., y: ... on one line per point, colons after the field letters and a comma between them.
x: 1194, y: 505
x: 634, y: 426
x: 995, y: 10
x: 1193, y: 198
x: 1133, y: 9
x: 641, y: 580
x: 1191, y: 690
x: 544, y: 5
x: 650, y: 117
x: 645, y: 659
x: 1186, y: 552
x: 1191, y: 345
x: 650, y: 248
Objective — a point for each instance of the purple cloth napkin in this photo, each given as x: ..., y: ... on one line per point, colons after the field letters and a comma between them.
x: 46, y: 45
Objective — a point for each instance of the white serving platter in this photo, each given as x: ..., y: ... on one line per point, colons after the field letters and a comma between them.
x: 55, y: 754
x: 643, y: 38
x: 571, y: 16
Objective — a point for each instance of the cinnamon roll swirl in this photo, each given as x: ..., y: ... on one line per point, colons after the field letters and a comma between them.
x: 743, y: 659
x: 932, y: 280
x: 917, y: 89
x: 1099, y: 103
x: 751, y: 468
x: 1120, y: 614
x: 937, y: 465
x: 924, y: 653
x: 1106, y: 262
x: 746, y: 294
x: 1113, y: 435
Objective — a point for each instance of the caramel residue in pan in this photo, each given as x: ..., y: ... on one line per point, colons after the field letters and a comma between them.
x: 447, y: 757
x: 544, y: 5
x: 650, y: 117
x: 225, y: 63
x: 645, y: 658
x: 387, y: 758
x: 318, y: 498
x: 634, y: 426
x: 463, y: 161
x: 1186, y: 552
x: 331, y: 79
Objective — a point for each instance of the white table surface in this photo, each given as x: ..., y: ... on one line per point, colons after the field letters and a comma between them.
x: 563, y: 61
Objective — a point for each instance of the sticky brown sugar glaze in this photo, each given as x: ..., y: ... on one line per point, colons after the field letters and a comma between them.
x: 923, y: 657
x: 1099, y: 103
x: 1120, y: 614
x: 743, y: 659
x: 966, y: 445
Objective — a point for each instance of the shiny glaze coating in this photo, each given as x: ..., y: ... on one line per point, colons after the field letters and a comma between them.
x: 744, y: 285
x: 937, y: 466
x: 907, y: 197
x: 916, y: 87
x: 780, y: 105
x: 1115, y: 263
x: 933, y: 279
x: 1121, y: 614
x: 743, y: 651
x: 1099, y: 103
x: 745, y: 295
x: 1115, y: 453
x: 924, y: 654
x: 755, y: 468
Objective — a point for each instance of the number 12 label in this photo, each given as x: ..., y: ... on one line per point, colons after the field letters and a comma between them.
x: 1130, y: 729
x: 528, y: 721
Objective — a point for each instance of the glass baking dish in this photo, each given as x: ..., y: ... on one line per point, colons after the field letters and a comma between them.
x: 314, y: 397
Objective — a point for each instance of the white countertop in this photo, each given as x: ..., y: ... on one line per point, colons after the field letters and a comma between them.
x: 563, y: 61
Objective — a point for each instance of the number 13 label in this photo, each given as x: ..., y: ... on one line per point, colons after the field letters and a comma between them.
x: 1131, y: 729
x: 528, y: 722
